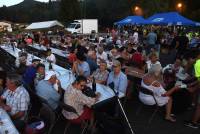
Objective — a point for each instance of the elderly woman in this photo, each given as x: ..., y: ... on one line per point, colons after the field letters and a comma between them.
x: 151, y: 82
x: 101, y: 74
x: 153, y: 60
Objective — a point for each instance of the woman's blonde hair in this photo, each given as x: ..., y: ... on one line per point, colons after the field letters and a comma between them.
x: 152, y: 54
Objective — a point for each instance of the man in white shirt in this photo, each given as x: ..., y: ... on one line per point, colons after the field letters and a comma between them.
x: 50, y: 56
x: 135, y: 36
x: 101, y: 55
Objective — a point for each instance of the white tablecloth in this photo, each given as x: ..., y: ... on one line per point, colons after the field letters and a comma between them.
x: 6, y: 123
x: 66, y: 77
x: 54, y: 50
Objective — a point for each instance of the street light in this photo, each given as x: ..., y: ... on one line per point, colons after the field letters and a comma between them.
x: 137, y: 10
x: 179, y: 7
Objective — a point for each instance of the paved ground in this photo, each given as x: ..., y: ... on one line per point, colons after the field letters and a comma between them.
x: 140, y: 124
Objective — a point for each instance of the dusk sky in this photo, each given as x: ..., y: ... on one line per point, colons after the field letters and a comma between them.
x: 13, y: 2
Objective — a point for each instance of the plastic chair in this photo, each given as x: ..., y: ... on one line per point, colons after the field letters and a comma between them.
x: 156, y: 106
x: 48, y: 116
x: 28, y: 113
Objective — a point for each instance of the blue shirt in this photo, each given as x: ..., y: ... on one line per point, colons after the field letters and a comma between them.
x: 120, y: 81
x: 92, y: 64
x: 151, y: 38
x: 46, y: 90
x: 29, y: 75
x: 85, y: 68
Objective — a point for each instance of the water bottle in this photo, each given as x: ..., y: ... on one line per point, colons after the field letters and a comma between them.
x: 93, y: 84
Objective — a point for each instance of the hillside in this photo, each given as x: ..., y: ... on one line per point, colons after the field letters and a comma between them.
x: 30, y: 11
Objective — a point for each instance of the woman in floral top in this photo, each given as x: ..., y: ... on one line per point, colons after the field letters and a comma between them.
x: 101, y: 74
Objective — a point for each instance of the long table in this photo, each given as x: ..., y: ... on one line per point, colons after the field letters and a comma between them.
x: 65, y: 76
x: 6, y: 124
x: 105, y: 91
x: 54, y: 50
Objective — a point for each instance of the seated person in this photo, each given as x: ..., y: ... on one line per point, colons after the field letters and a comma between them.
x: 75, y: 98
x: 181, y: 98
x: 2, y: 81
x: 45, y: 89
x: 80, y: 66
x: 50, y: 56
x: 101, y: 74
x: 30, y: 73
x: 137, y: 58
x: 113, y: 55
x: 40, y: 74
x: 101, y: 54
x: 118, y: 78
x: 21, y: 63
x: 15, y: 100
x: 92, y: 60
x: 153, y: 60
x: 179, y: 70
x: 72, y: 55
x: 151, y: 82
x: 124, y: 54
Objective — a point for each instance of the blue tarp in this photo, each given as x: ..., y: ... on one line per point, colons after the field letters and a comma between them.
x: 171, y: 18
x: 131, y: 20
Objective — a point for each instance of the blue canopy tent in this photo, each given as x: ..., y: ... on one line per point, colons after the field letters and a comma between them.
x: 132, y: 20
x: 171, y: 18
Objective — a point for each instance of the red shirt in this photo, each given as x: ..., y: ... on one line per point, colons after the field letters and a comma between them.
x: 137, y: 58
x: 72, y: 57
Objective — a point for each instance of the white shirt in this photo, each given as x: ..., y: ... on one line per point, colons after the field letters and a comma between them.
x: 102, y: 56
x: 157, y: 91
x: 52, y: 58
x: 135, y: 36
x: 150, y: 64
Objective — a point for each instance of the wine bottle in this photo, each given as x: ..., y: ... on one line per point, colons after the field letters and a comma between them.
x: 50, y: 66
x: 93, y: 84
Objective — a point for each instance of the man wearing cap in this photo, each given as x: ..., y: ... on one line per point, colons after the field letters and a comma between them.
x: 30, y: 73
x: 118, y: 78
x: 45, y: 89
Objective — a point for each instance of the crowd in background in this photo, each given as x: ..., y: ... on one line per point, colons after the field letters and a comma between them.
x: 169, y: 59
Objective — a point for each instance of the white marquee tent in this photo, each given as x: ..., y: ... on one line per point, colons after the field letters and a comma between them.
x: 44, y: 25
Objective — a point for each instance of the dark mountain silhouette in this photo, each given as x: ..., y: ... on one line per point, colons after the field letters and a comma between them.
x: 30, y: 11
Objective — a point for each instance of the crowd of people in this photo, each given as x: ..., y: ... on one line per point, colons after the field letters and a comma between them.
x: 169, y: 60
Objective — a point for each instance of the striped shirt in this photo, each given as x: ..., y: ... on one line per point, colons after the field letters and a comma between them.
x: 18, y: 100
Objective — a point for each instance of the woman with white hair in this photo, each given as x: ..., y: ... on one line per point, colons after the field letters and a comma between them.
x: 151, y: 81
